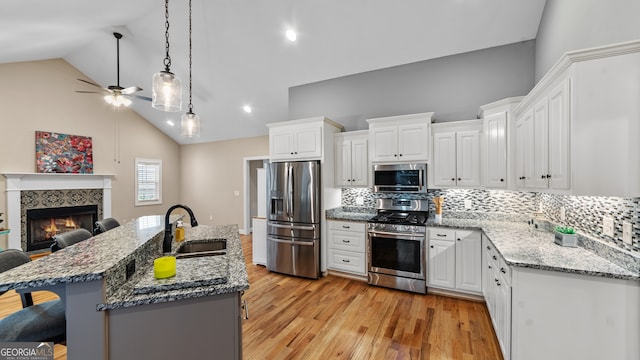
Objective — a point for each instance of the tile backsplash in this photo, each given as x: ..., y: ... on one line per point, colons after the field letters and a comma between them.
x: 584, y: 213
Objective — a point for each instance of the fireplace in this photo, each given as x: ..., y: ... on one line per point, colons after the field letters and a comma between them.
x: 44, y: 224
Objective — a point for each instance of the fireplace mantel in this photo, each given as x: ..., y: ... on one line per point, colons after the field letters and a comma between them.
x: 18, y: 182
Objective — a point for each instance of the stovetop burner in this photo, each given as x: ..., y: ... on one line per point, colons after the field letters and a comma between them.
x: 400, y: 217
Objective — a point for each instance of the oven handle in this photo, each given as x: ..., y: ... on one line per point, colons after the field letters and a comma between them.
x: 397, y: 234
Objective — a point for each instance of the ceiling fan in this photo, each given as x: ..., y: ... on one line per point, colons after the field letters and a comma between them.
x: 116, y: 95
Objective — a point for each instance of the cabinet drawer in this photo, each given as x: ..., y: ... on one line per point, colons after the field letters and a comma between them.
x: 347, y: 226
x: 442, y: 234
x: 346, y: 240
x: 347, y: 261
x: 504, y: 270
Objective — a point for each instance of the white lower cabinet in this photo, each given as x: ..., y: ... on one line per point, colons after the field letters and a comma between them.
x: 454, y: 260
x: 346, y: 247
x: 259, y: 240
x: 496, y: 289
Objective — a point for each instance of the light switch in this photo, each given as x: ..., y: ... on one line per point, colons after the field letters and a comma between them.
x: 607, y: 226
x: 626, y: 233
x: 236, y: 193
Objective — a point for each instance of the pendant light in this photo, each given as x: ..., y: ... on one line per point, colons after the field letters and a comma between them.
x: 166, y: 86
x: 190, y: 123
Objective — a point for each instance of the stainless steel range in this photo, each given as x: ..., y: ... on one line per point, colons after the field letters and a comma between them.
x: 397, y: 236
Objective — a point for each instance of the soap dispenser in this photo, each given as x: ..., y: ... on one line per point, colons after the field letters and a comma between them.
x: 179, y: 231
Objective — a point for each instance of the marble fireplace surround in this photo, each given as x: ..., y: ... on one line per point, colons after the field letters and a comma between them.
x: 16, y: 183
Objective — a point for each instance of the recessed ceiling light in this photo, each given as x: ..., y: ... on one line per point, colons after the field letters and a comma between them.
x: 291, y: 35
x: 170, y: 123
x: 247, y: 109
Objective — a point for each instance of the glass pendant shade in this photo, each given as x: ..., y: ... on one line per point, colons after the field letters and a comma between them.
x: 167, y: 92
x: 190, y: 125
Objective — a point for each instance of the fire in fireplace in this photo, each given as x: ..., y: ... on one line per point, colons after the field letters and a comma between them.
x: 44, y: 224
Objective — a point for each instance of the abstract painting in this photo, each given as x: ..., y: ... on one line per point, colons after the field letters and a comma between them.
x: 63, y: 153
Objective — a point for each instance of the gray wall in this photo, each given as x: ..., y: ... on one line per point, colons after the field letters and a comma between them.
x: 453, y: 87
x: 578, y: 24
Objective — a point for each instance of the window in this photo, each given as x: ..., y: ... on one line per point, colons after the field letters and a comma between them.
x: 148, y: 182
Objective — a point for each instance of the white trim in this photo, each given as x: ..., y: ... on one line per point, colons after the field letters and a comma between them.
x: 246, y: 207
x: 18, y: 182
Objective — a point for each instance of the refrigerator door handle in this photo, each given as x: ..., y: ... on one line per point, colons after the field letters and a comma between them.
x: 290, y: 191
x: 291, y: 242
x: 293, y: 227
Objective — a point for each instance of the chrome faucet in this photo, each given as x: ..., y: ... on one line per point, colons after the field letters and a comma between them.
x: 168, y: 236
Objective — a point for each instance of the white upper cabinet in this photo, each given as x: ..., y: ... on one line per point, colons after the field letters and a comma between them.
x: 299, y: 139
x: 500, y: 149
x: 456, y: 154
x: 495, y: 154
x: 542, y: 152
x: 402, y: 138
x: 352, y: 164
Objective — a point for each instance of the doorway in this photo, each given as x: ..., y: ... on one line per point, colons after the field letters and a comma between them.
x: 251, y: 166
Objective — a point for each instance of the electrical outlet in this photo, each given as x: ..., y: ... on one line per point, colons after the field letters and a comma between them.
x: 467, y: 204
x: 563, y: 214
x: 607, y: 226
x: 626, y: 233
x: 210, y: 217
x: 359, y: 200
x: 236, y: 193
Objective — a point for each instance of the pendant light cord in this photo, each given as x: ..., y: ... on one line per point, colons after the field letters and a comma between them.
x: 167, y: 58
x: 190, y: 59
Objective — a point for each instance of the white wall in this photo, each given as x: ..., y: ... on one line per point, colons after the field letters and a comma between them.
x: 578, y: 24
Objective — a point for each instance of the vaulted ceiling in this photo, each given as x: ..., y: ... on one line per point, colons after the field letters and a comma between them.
x: 240, y: 54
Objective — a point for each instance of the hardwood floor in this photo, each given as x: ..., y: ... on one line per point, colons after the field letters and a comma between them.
x: 337, y: 318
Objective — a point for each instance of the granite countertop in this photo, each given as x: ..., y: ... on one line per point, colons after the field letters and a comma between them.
x: 522, y: 246
x: 195, y: 277
x: 104, y: 257
x: 361, y: 214
x: 87, y: 260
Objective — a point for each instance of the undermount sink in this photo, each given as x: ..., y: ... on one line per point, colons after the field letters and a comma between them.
x: 205, y: 247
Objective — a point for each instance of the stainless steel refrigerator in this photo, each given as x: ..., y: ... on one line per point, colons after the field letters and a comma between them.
x: 293, y: 226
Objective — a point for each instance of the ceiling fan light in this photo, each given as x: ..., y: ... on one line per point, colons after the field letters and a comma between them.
x: 117, y: 100
x: 166, y: 92
x: 190, y: 125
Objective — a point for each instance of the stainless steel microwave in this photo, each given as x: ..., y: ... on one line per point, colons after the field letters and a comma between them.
x: 405, y: 178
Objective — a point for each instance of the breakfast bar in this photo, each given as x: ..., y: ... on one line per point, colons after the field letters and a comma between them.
x: 111, y: 295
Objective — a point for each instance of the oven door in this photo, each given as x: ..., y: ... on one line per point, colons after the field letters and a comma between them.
x: 399, y: 254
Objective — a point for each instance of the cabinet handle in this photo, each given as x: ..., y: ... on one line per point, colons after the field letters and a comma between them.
x: 296, y: 153
x: 459, y: 179
x: 458, y: 239
x: 453, y: 179
x: 346, y: 227
x: 353, y: 179
x: 292, y: 153
x: 548, y: 176
x: 502, y: 180
x: 431, y: 246
x: 490, y: 267
x: 441, y: 235
x: 400, y: 154
x: 497, y: 282
x: 346, y: 241
x: 521, y: 178
x: 494, y: 257
x: 349, y: 180
x: 395, y: 155
x: 346, y: 261
x: 488, y: 247
x: 502, y: 271
x: 543, y: 176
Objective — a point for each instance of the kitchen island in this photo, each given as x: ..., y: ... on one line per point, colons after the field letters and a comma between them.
x: 114, y: 309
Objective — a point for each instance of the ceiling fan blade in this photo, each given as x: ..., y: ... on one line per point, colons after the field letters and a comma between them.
x: 145, y: 98
x: 89, y: 92
x: 130, y: 90
x: 90, y: 83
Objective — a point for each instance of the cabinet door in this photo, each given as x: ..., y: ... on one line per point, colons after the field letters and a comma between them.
x: 495, y: 136
x: 559, y: 124
x: 259, y: 241
x: 413, y: 142
x: 384, y: 141
x: 526, y: 142
x: 343, y: 162
x: 359, y: 162
x: 540, y: 145
x: 519, y: 161
x: 468, y: 264
x: 468, y: 158
x: 280, y: 143
x: 308, y: 142
x: 444, y: 159
x: 442, y: 267
x: 503, y: 331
